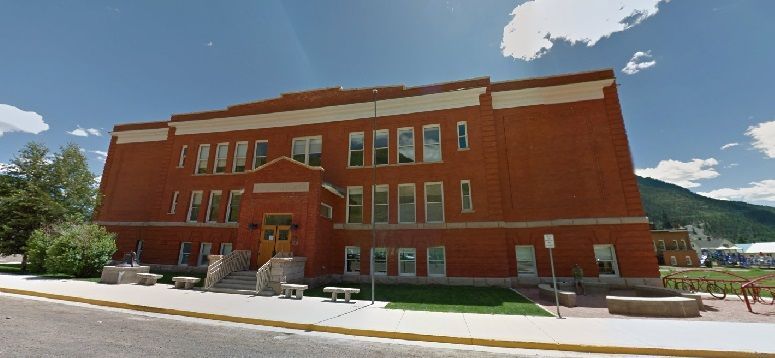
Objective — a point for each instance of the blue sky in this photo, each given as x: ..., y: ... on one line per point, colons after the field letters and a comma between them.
x: 701, y: 74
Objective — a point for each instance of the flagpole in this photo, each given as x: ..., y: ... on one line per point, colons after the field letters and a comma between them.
x: 373, y: 194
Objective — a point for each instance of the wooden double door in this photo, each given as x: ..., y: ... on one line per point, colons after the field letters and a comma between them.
x: 276, y: 236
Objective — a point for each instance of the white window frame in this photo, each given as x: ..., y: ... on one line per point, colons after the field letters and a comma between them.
x: 241, y: 192
x: 374, y: 148
x: 360, y: 260
x: 688, y: 260
x: 414, y: 202
x: 200, y: 258
x: 374, y: 260
x: 386, y: 187
x: 400, y: 261
x: 174, y: 203
x: 225, y: 157
x: 236, y: 157
x: 265, y: 156
x: 224, y: 244
x: 682, y: 244
x: 465, y: 135
x: 307, y: 140
x: 350, y: 149
x: 191, y: 205
x: 441, y: 157
x: 444, y: 261
x: 329, y: 208
x: 199, y: 159
x: 614, y: 263
x: 399, y: 146
x: 533, y: 253
x: 675, y: 244
x: 210, y: 205
x: 673, y: 260
x: 182, y: 157
x: 347, y: 204
x: 180, y: 253
x: 425, y: 194
x: 661, y: 245
x: 463, y: 197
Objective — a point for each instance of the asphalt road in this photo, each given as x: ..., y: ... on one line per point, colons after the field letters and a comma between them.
x: 43, y: 328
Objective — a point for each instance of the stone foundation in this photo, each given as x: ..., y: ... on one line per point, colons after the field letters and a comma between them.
x: 287, y: 270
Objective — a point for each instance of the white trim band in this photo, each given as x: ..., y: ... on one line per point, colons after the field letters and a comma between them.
x: 573, y: 92
x: 290, y: 187
x: 499, y: 224
x: 141, y: 135
x: 168, y: 224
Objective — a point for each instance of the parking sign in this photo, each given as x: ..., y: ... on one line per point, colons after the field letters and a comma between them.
x: 549, y: 241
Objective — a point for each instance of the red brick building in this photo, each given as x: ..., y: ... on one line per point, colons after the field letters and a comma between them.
x: 470, y: 175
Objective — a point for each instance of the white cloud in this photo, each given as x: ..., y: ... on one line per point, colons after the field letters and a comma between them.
x: 103, y: 156
x: 729, y: 145
x: 639, y: 61
x: 763, y: 135
x: 209, y: 44
x: 537, y: 24
x: 731, y: 165
x: 13, y: 119
x: 85, y: 132
x: 758, y: 191
x: 685, y: 174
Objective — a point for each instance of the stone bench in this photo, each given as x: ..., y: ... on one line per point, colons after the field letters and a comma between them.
x: 147, y: 279
x: 654, y: 291
x: 567, y: 298
x: 289, y: 288
x: 653, y: 306
x: 184, y: 282
x: 334, y: 291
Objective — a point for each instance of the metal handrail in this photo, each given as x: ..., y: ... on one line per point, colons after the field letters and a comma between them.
x: 237, y: 260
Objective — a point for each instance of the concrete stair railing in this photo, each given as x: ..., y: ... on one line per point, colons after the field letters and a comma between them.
x: 221, y: 266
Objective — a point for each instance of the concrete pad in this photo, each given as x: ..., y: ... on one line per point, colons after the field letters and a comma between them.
x: 586, y: 331
x: 505, y: 327
x: 370, y: 318
x: 434, y: 323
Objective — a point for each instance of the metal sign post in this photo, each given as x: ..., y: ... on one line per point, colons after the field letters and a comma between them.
x: 549, y: 244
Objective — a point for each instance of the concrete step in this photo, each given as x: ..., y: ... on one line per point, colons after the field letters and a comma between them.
x: 233, y: 281
x: 243, y: 273
x: 235, y: 286
x: 267, y: 292
x: 240, y: 278
x: 233, y: 291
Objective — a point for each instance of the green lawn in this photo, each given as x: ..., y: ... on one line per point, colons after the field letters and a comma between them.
x: 490, y: 300
x: 10, y: 268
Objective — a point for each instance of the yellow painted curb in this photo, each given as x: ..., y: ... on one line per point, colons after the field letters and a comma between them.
x: 395, y: 335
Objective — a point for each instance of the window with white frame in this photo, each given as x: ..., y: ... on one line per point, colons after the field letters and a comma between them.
x: 431, y: 140
x: 352, y: 260
x: 221, y: 154
x: 240, y: 157
x: 526, y: 260
x: 465, y: 196
x: 381, y: 207
x: 436, y: 261
x: 688, y: 261
x: 406, y: 203
x: 232, y: 209
x: 214, y: 206
x: 661, y: 245
x: 380, y: 261
x: 355, y: 205
x: 307, y: 150
x: 462, y: 135
x: 201, y: 159
x: 260, y: 153
x: 405, y: 145
x: 182, y: 157
x: 184, y: 253
x: 174, y: 203
x: 356, y: 150
x: 606, y: 260
x: 226, y: 248
x: 381, y: 147
x: 326, y: 211
x: 673, y: 261
x: 204, y: 250
x: 683, y: 244
x: 194, y: 205
x: 407, y: 261
x: 434, y: 203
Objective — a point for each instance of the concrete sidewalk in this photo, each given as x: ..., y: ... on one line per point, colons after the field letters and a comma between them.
x: 601, y: 335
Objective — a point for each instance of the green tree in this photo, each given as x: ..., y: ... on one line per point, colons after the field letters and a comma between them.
x: 73, y: 183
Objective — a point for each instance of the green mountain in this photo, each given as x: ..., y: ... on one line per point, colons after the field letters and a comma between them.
x: 670, y: 206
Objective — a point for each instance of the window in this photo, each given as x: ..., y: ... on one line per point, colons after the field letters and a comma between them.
x: 673, y: 261
x: 462, y: 135
x: 355, y: 205
x: 526, y: 260
x: 356, y: 150
x: 221, y: 152
x: 326, y: 211
x: 434, y: 203
x: 436, y: 261
x: 683, y: 244
x: 675, y: 245
x: 407, y: 262
x: 240, y: 157
x: 185, y: 252
x: 661, y: 245
x: 307, y: 150
x: 380, y: 201
x: 182, y: 158
x: 406, y: 145
x: 352, y: 261
x: 465, y: 195
x: 232, y: 211
x: 201, y: 159
x: 381, y: 147
x: 606, y: 260
x: 194, y: 205
x: 431, y: 139
x: 204, y: 250
x: 214, y: 206
x: 688, y: 260
x: 406, y: 207
x: 174, y: 204
x: 260, y: 153
x: 380, y: 261
x: 226, y: 248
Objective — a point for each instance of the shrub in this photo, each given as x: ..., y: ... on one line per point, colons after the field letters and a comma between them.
x: 78, y: 250
x: 40, y: 240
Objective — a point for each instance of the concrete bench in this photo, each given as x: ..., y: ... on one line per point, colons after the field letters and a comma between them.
x: 334, y: 291
x: 654, y: 291
x: 184, y: 282
x: 289, y: 288
x: 147, y: 279
x: 653, y: 306
x: 567, y: 298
